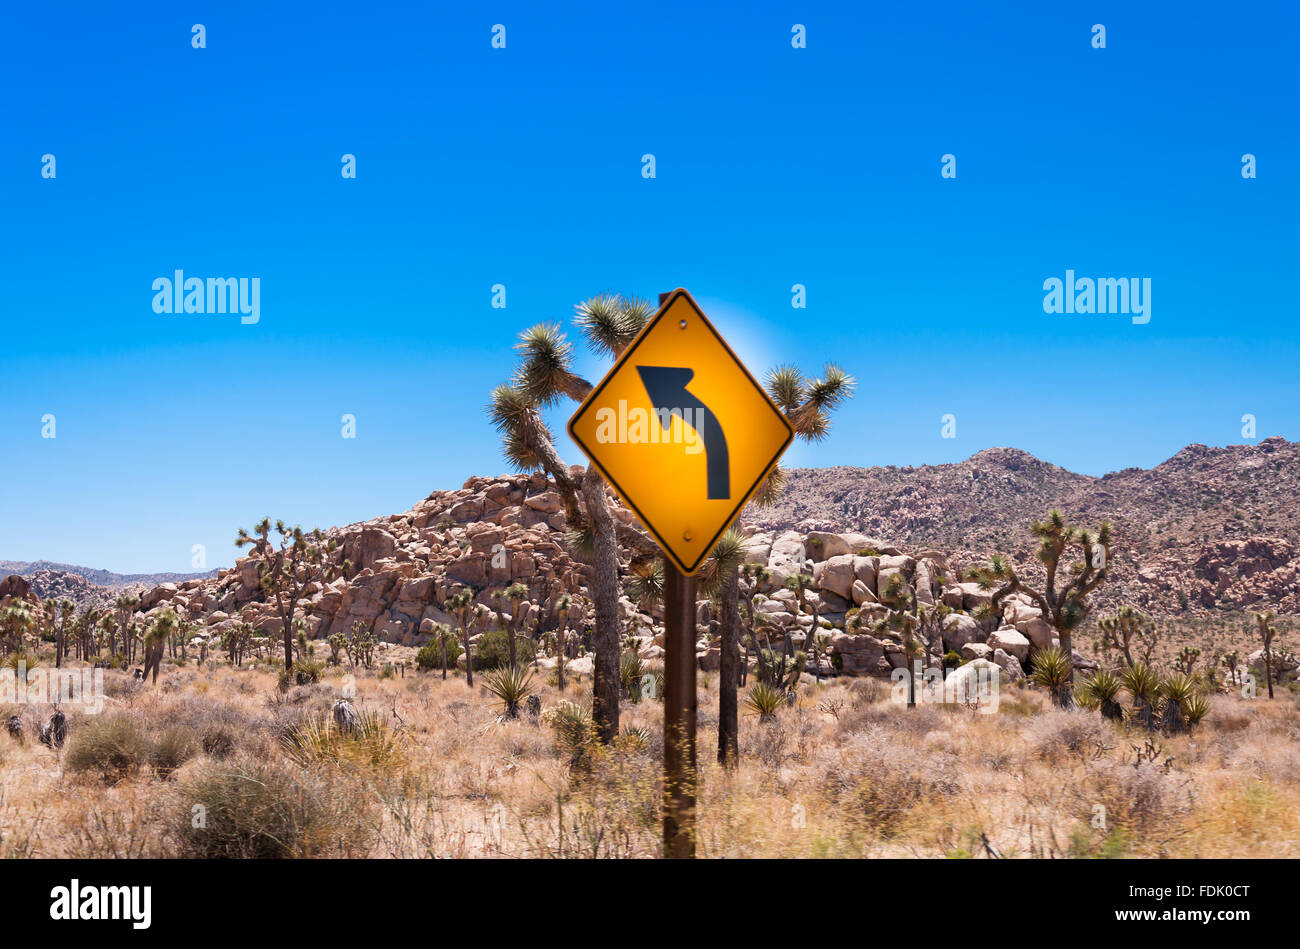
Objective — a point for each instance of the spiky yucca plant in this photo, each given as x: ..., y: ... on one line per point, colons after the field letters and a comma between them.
x: 764, y: 701
x: 1102, y: 688
x: 630, y: 670
x: 1052, y: 671
x: 319, y: 739
x: 574, y: 727
x: 511, y: 685
x: 1195, y: 708
x: 1144, y: 685
x: 1177, y: 690
x: 633, y: 739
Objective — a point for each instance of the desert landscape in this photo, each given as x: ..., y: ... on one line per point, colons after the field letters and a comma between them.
x: 362, y: 729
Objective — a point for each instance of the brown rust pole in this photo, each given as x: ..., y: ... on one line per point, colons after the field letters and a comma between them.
x: 679, y: 713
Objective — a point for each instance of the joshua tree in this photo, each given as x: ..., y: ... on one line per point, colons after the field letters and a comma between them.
x: 721, y: 576
x: 15, y: 620
x: 236, y: 640
x: 155, y: 642
x: 1186, y: 660
x: 562, y: 607
x: 800, y: 584
x: 124, y: 606
x: 444, y: 635
x: 545, y: 376
x: 65, y: 612
x: 1267, y: 632
x: 1119, y: 631
x: 460, y: 605
x: 752, y: 576
x: 1232, y: 662
x: 517, y: 594
x: 1064, y: 606
x: 287, y: 571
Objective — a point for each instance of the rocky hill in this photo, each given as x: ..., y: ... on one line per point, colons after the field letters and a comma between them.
x: 1211, y: 528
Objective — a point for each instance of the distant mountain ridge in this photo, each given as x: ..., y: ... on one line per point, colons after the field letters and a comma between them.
x: 1209, y: 527
x: 103, y: 578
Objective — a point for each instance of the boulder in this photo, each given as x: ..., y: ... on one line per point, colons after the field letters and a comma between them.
x: 823, y: 546
x: 954, y: 597
x: 864, y: 569
x: 1010, y: 640
x: 836, y: 575
x: 859, y: 654
x: 1037, y: 631
x: 1009, y: 664
x: 973, y: 597
x: 962, y: 683
x: 861, y: 593
x: 14, y: 585
x: 958, y: 630
x: 976, y: 651
x: 924, y: 583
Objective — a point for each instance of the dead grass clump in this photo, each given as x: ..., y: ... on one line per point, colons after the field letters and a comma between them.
x: 172, y: 747
x: 112, y: 747
x: 883, y: 777
x: 1147, y: 801
x: 256, y: 808
x: 1057, y: 733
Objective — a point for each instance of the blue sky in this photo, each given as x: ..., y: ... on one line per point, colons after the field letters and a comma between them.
x: 522, y: 166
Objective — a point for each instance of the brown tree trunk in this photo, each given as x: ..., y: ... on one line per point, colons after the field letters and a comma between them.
x: 469, y: 659
x: 729, y: 673
x: 1067, y: 647
x: 605, y: 693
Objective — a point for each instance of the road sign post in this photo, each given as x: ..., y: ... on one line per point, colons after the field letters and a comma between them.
x: 685, y: 435
x: 679, y: 713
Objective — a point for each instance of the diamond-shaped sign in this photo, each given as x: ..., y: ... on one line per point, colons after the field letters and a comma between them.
x: 681, y: 430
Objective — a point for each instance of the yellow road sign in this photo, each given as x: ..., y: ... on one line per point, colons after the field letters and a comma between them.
x: 681, y: 430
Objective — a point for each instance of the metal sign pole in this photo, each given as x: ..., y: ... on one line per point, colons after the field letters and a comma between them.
x: 679, y: 713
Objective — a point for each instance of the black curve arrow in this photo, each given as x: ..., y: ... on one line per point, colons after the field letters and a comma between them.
x: 666, y: 386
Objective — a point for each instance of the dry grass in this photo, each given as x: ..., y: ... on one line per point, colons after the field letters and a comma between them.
x: 438, y: 772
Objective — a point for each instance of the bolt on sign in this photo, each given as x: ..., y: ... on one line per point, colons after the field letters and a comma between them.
x: 681, y: 430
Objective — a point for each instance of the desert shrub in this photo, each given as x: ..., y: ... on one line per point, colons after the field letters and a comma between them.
x: 111, y: 747
x: 318, y: 739
x: 307, y: 671
x: 218, y: 741
x: 631, y: 669
x: 881, y: 778
x: 574, y: 728
x: 259, y: 808
x: 429, y: 655
x: 511, y: 685
x: 1138, y: 799
x: 764, y: 701
x: 171, y: 748
x: 1060, y: 732
x: 492, y: 650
